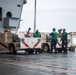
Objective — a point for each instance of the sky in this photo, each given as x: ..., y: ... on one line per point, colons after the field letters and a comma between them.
x: 50, y: 14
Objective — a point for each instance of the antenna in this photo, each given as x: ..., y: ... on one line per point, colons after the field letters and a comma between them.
x: 35, y: 17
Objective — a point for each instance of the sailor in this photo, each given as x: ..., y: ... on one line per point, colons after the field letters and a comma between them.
x: 59, y: 33
x: 54, y: 38
x: 64, y: 40
x: 37, y: 34
x: 28, y: 33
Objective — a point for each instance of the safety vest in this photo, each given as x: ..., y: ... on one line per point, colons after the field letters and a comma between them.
x: 37, y: 34
x: 54, y: 35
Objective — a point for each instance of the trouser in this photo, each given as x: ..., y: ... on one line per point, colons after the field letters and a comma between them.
x: 64, y: 46
x: 38, y: 50
x: 53, y: 45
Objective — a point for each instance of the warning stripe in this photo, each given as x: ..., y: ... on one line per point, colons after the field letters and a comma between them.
x: 3, y: 45
x: 26, y: 44
x: 36, y: 44
x: 60, y: 44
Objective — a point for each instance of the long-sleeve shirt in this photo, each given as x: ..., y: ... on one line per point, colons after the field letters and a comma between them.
x: 64, y: 36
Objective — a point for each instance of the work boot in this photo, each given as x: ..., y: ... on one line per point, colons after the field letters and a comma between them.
x: 55, y: 52
x: 51, y: 52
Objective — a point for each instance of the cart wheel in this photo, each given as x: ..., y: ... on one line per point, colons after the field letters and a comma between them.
x: 12, y: 49
x: 45, y: 48
x: 71, y: 49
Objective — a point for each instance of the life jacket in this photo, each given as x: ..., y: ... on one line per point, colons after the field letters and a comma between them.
x: 54, y: 35
x: 37, y: 34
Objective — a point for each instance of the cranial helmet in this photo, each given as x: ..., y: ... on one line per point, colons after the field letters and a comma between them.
x: 29, y: 28
x: 54, y: 29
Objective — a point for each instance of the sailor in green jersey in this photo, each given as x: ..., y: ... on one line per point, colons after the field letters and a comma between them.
x: 64, y: 41
x: 54, y: 36
x: 37, y: 34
